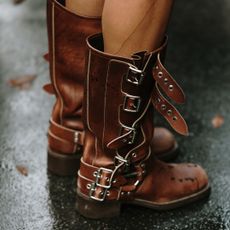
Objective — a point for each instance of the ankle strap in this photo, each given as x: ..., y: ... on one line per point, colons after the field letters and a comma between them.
x: 64, y: 139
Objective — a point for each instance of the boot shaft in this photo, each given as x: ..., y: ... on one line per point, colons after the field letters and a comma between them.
x: 66, y: 35
x: 117, y: 98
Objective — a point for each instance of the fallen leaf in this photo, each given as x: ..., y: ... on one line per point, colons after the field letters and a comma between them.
x: 18, y: 1
x: 23, y: 170
x: 22, y: 82
x: 46, y: 57
x: 217, y: 121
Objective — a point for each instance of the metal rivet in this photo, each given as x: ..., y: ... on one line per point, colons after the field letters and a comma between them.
x: 95, y: 174
x: 163, y: 107
x: 160, y: 74
x: 171, y: 87
x: 134, y: 155
x: 169, y: 112
x: 143, y: 165
x: 114, y: 181
x: 76, y: 137
x: 108, y: 193
x: 175, y: 118
x: 124, y: 140
x: 119, y: 170
x: 156, y: 67
x: 88, y: 186
x: 122, y: 193
x: 107, y: 179
x: 166, y: 80
x: 101, y: 193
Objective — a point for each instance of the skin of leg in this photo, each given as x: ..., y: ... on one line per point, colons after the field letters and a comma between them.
x: 134, y: 25
x: 86, y: 8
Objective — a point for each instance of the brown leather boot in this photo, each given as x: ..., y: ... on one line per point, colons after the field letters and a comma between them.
x: 67, y: 33
x: 118, y: 166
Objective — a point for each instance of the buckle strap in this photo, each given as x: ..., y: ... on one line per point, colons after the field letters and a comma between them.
x: 96, y: 182
x: 167, y: 83
x: 131, y: 103
x: 70, y: 135
x: 169, y: 112
x: 60, y: 145
x: 101, y: 176
x: 89, y: 188
x: 134, y: 75
x: 128, y: 136
x: 101, y: 183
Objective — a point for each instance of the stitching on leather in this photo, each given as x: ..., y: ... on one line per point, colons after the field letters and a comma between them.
x: 138, y: 146
x: 105, y: 99
x: 54, y: 65
x: 87, y: 90
x: 63, y: 127
x: 95, y: 147
x: 56, y: 138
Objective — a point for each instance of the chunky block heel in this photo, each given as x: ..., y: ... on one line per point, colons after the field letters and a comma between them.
x: 62, y: 164
x: 95, y: 209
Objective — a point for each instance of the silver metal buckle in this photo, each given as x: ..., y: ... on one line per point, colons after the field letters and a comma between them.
x: 136, y: 102
x: 134, y: 76
x: 92, y: 190
x: 97, y: 184
x: 98, y: 177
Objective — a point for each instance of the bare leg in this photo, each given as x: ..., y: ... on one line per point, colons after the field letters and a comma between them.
x: 87, y: 8
x: 134, y: 25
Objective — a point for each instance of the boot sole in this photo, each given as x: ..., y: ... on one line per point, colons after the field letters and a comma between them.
x: 205, y: 192
x: 63, y: 164
x: 107, y: 209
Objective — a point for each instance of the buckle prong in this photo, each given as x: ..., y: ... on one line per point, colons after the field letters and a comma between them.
x: 131, y: 103
x: 134, y: 75
x: 96, y: 184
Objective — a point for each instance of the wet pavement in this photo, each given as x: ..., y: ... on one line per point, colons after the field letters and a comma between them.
x: 199, y: 58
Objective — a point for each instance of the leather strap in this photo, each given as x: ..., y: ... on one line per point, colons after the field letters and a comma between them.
x: 102, y: 183
x: 167, y: 83
x: 68, y: 140
x: 169, y: 112
x: 62, y: 146
x: 85, y: 186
